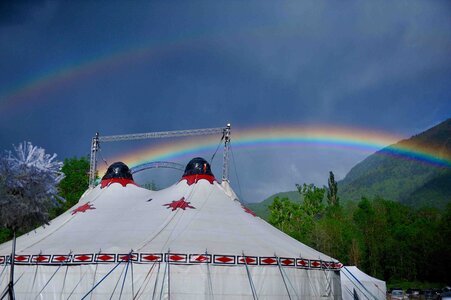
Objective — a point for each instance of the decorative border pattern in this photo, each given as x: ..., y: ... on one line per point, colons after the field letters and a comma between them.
x: 128, y: 257
x: 81, y: 258
x: 200, y: 258
x: 104, y: 257
x: 58, y: 259
x: 41, y: 258
x: 224, y: 259
x: 173, y: 258
x: 247, y: 260
x: 151, y: 257
x: 176, y: 258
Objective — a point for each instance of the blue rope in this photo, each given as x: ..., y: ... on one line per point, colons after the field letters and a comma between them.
x: 358, y: 281
x: 5, y: 292
x: 361, y: 284
x: 104, y: 277
x: 125, y: 276
x: 117, y: 283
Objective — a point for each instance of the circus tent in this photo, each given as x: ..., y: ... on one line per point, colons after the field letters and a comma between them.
x: 192, y: 240
x: 356, y: 284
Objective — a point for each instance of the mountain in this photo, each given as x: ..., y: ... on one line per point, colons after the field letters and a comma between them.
x: 409, y: 181
x: 261, y: 209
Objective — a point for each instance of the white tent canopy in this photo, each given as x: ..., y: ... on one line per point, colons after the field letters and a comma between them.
x: 356, y: 284
x: 193, y: 240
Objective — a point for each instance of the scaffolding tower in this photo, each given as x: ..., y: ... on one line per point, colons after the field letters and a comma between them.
x: 97, y: 139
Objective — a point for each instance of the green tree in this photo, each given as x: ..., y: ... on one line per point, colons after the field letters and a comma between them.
x: 75, y: 182
x: 366, y: 220
x: 286, y: 216
x: 312, y: 209
x: 336, y: 235
x: 332, y: 191
x: 395, y: 232
x: 298, y: 219
x: 443, y: 252
x: 392, y: 234
x: 313, y: 199
x: 386, y: 239
x: 5, y: 234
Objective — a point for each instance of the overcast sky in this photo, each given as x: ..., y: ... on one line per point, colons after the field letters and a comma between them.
x: 71, y: 68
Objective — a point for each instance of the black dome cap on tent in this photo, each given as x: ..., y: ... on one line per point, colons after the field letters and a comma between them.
x: 198, y: 166
x: 118, y: 170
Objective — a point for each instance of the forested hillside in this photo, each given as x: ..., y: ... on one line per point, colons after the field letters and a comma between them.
x: 392, y: 217
x: 386, y: 239
x: 409, y: 181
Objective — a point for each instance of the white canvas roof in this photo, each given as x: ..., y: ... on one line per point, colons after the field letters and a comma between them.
x: 191, y: 240
x: 356, y: 282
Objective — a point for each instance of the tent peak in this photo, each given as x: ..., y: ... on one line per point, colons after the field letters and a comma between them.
x: 198, y: 168
x: 117, y: 172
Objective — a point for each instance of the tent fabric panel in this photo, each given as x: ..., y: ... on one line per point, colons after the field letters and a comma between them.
x: 164, y: 230
x: 180, y: 281
x: 356, y: 281
x: 217, y: 224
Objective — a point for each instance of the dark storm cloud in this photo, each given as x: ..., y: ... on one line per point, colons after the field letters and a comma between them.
x: 19, y: 12
x: 336, y: 60
x: 177, y: 65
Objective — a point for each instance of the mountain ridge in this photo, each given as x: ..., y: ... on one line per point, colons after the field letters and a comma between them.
x: 408, y: 181
x: 382, y: 175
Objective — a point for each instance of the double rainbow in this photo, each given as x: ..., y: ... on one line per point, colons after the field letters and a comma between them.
x: 351, y: 139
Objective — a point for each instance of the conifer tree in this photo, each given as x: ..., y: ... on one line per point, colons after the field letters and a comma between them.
x: 332, y: 197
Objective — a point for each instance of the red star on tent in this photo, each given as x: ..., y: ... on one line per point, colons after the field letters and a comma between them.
x: 83, y: 208
x: 179, y: 204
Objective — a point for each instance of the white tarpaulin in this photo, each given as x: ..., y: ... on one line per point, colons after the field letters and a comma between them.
x: 193, y: 240
x: 356, y: 284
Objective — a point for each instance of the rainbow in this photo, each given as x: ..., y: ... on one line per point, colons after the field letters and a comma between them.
x: 53, y: 79
x: 48, y: 81
x: 365, y: 141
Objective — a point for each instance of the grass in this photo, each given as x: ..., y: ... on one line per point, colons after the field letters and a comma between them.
x: 414, y: 284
